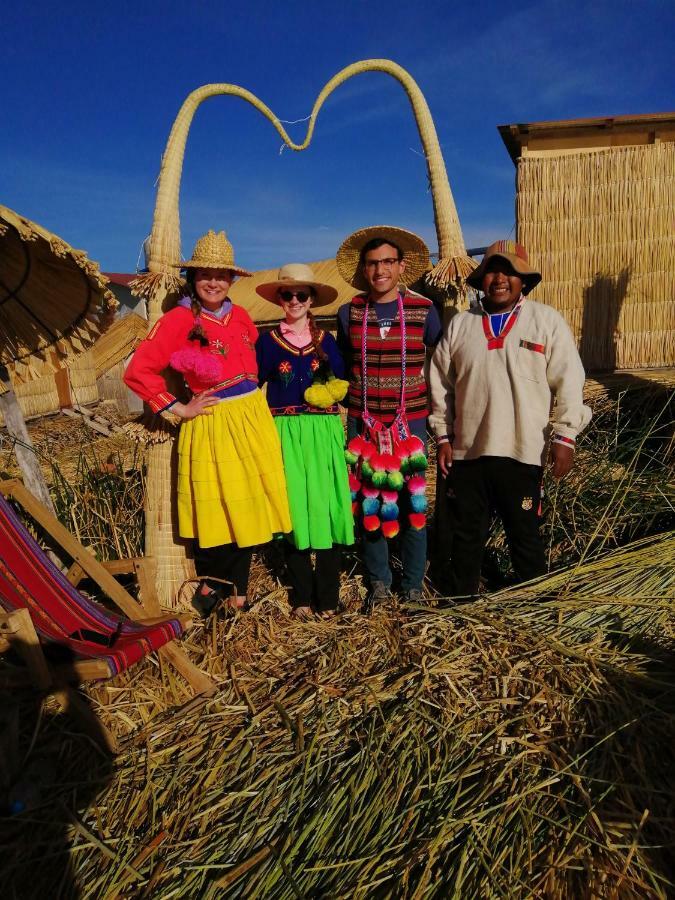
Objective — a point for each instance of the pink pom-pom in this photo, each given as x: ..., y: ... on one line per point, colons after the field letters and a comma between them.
x: 415, y: 444
x: 390, y: 496
x: 391, y: 462
x: 378, y: 462
x: 355, y: 446
x: 370, y: 492
x: 417, y: 484
x: 367, y: 449
x: 204, y: 365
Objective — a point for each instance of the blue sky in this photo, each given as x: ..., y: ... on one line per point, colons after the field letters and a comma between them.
x: 90, y: 91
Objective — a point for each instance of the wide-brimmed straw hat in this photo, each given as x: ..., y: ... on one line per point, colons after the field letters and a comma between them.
x: 516, y: 255
x: 415, y: 253
x: 213, y: 251
x: 297, y: 275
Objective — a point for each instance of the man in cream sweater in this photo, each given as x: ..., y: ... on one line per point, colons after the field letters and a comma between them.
x: 493, y: 378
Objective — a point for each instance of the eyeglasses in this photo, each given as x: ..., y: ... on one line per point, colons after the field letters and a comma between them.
x: 387, y: 263
x: 287, y: 296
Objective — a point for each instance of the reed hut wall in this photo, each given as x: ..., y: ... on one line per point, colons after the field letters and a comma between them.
x: 82, y: 376
x: 36, y: 397
x: 600, y: 227
x: 71, y: 384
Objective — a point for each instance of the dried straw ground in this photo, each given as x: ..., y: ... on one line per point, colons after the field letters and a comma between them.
x: 520, y: 746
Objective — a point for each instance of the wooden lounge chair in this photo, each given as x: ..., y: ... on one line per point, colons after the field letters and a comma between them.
x: 43, y: 604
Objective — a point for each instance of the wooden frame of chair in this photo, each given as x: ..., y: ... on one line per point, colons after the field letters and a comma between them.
x: 17, y: 629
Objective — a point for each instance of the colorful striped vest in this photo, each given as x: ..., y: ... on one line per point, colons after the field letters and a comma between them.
x: 383, y: 362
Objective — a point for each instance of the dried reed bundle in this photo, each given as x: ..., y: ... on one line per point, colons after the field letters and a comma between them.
x: 481, y: 751
x: 599, y: 226
x: 119, y: 342
x: 520, y: 746
x: 151, y: 428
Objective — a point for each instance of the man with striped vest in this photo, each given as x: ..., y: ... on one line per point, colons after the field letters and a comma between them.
x: 385, y: 334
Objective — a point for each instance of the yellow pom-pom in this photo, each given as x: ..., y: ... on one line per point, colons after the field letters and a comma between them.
x: 337, y: 388
x: 318, y: 395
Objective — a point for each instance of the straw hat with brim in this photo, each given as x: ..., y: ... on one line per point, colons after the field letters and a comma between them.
x: 415, y: 254
x: 297, y: 275
x: 516, y: 256
x: 213, y: 251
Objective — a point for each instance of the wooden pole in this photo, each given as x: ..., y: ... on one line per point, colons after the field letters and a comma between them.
x: 23, y: 446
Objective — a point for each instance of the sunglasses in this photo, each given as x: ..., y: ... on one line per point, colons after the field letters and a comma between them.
x: 287, y: 296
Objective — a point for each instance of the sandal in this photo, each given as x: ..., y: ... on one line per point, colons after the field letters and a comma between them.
x: 302, y: 613
x: 206, y: 604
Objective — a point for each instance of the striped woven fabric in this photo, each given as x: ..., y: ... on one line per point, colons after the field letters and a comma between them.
x: 60, y: 613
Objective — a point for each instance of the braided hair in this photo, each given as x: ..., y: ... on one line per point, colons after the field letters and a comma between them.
x: 315, y: 333
x: 197, y: 332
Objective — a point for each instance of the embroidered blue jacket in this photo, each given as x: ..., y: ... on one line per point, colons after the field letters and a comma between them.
x: 288, y: 372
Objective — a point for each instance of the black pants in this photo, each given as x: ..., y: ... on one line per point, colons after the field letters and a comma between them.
x: 227, y: 561
x: 320, y: 587
x: 476, y: 490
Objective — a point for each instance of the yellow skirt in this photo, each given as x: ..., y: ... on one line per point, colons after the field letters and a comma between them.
x: 231, y: 484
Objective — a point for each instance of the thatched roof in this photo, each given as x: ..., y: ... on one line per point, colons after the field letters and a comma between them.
x: 244, y: 294
x: 585, y: 134
x: 51, y: 297
x: 119, y: 341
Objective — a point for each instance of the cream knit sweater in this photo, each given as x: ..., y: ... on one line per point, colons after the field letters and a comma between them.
x: 498, y: 402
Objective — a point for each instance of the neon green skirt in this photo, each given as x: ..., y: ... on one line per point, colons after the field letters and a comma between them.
x: 231, y: 485
x: 312, y: 446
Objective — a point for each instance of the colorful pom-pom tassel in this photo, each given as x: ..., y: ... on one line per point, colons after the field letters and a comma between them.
x: 418, y: 462
x: 371, y: 523
x: 370, y: 506
x: 390, y: 462
x: 353, y: 451
x: 366, y: 469
x: 390, y: 529
x: 417, y: 521
x: 356, y: 506
x: 395, y: 480
x: 418, y: 503
x: 417, y: 484
x: 389, y: 512
x: 354, y: 485
x: 379, y: 477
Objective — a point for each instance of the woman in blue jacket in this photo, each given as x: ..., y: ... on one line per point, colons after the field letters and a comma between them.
x: 303, y: 369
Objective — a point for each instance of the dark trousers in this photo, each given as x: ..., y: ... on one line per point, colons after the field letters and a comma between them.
x: 476, y: 490
x: 227, y: 561
x: 318, y: 587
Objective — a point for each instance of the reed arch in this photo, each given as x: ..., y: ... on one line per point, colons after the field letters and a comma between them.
x: 162, y: 280
x: 453, y: 265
